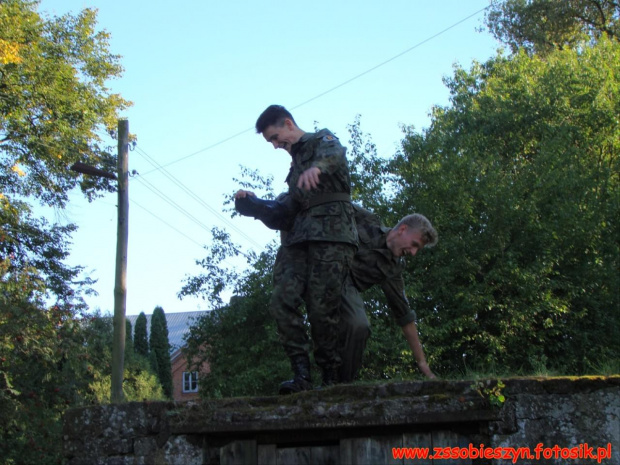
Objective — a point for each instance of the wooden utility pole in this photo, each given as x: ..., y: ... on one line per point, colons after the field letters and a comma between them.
x: 120, y: 286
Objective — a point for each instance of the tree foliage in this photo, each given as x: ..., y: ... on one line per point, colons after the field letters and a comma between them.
x: 520, y: 176
x: 50, y: 360
x: 160, y: 350
x: 238, y: 340
x: 35, y: 244
x: 140, y: 382
x: 542, y: 26
x: 140, y: 340
x: 54, y: 110
x: 42, y: 368
x: 53, y: 102
x: 128, y: 338
x: 367, y: 169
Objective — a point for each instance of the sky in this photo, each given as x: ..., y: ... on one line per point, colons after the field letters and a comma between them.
x: 199, y: 73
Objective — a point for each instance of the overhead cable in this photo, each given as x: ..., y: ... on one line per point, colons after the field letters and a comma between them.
x: 348, y: 81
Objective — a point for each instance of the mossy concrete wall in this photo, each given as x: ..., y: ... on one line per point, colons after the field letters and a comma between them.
x: 358, y: 424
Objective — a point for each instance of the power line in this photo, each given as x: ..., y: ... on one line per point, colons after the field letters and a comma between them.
x: 166, y: 223
x: 348, y: 81
x: 390, y: 59
x: 200, y: 151
x: 197, y: 198
x: 171, y: 202
x: 177, y: 230
x: 175, y: 205
x: 192, y: 195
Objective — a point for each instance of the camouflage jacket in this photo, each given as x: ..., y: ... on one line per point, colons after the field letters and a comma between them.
x: 319, y: 219
x: 374, y: 264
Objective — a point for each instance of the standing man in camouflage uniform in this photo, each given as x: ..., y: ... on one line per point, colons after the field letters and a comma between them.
x: 315, y: 257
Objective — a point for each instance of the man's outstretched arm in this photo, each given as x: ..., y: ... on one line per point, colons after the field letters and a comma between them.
x: 275, y: 214
x: 410, y: 330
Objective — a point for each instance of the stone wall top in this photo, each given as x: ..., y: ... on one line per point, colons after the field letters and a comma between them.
x: 394, y: 403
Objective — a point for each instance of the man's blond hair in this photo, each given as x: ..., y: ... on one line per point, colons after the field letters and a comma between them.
x: 422, y: 224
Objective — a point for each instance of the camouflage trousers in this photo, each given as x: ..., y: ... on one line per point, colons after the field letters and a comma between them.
x: 312, y: 273
x: 354, y: 331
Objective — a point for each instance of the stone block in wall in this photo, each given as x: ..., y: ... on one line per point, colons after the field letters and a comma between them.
x: 184, y: 450
x: 565, y: 413
x: 144, y: 446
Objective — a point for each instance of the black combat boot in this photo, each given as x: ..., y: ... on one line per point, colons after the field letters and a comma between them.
x: 301, y: 380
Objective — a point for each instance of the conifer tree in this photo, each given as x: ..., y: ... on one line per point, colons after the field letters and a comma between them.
x: 160, y: 348
x: 140, y: 341
x: 129, y: 350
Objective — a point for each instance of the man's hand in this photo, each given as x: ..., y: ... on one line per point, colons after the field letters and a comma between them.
x: 424, y: 368
x: 242, y: 194
x: 309, y: 179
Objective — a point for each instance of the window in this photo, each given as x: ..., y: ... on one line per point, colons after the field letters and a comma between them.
x: 190, y: 381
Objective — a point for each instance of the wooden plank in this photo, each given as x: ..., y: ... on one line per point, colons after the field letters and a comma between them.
x: 369, y: 451
x: 239, y: 453
x: 294, y: 456
x: 443, y: 439
x: 346, y: 451
x: 267, y: 454
x: 377, y: 453
x: 325, y: 455
x: 360, y: 451
x: 387, y: 443
x: 421, y: 441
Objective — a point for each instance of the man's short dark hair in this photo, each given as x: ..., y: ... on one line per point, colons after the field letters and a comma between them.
x: 274, y: 115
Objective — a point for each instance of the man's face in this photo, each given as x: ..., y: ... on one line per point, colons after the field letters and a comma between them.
x: 282, y: 137
x: 405, y: 241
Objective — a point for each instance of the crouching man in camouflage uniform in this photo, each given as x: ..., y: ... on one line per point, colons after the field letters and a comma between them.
x: 379, y: 260
x: 315, y: 256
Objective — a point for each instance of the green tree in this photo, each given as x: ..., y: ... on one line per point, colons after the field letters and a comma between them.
x: 542, y: 26
x: 54, y: 107
x: 34, y: 244
x: 41, y: 368
x: 160, y: 350
x: 140, y: 340
x: 140, y: 382
x: 128, y: 339
x: 368, y: 177
x: 519, y: 174
x: 54, y: 101
x: 520, y: 177
x: 238, y: 340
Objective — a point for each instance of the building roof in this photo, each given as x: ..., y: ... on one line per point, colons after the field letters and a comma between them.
x: 178, y: 324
